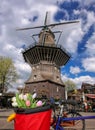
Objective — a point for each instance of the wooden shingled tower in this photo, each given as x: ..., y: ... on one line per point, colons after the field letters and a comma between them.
x: 46, y: 58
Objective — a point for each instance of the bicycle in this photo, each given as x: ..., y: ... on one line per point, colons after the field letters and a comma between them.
x: 72, y: 120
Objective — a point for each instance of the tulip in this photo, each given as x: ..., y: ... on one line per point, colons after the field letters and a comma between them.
x: 14, y: 99
x: 14, y: 104
x: 34, y: 95
x: 25, y: 97
x: 21, y: 96
x: 28, y: 103
x: 39, y: 103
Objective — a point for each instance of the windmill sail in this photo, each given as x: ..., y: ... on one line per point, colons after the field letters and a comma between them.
x: 48, y: 25
x: 46, y: 30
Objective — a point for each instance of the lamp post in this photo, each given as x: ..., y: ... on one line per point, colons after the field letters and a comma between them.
x: 0, y: 94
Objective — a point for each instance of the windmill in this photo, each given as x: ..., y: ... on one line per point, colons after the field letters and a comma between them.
x: 46, y: 59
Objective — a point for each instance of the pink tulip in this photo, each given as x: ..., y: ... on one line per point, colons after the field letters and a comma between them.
x: 28, y: 103
x: 39, y: 103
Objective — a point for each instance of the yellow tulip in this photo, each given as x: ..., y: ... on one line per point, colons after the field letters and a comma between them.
x: 11, y: 117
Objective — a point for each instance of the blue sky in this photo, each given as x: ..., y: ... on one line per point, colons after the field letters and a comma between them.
x: 78, y: 39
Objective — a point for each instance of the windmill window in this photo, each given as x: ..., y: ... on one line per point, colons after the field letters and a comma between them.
x: 35, y: 76
x: 57, y: 77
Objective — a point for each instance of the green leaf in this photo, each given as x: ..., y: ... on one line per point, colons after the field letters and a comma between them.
x: 18, y: 100
x: 33, y: 105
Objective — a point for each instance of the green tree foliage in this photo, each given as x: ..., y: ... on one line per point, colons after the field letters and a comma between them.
x: 70, y: 85
x: 8, y: 73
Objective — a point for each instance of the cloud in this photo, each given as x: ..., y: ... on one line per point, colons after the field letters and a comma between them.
x: 84, y: 79
x: 23, y: 67
x: 87, y: 2
x: 73, y: 39
x: 90, y: 46
x: 89, y: 64
x: 83, y: 2
x: 79, y: 80
x: 89, y: 20
x: 75, y: 70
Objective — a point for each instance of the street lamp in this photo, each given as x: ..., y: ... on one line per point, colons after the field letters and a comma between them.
x: 0, y: 94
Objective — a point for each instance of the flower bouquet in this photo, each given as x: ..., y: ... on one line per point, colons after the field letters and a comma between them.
x: 26, y: 101
x: 30, y: 113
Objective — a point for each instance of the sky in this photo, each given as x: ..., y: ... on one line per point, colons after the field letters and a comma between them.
x: 78, y: 38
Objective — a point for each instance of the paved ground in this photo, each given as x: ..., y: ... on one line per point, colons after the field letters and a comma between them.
x: 90, y: 123
x: 4, y: 125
